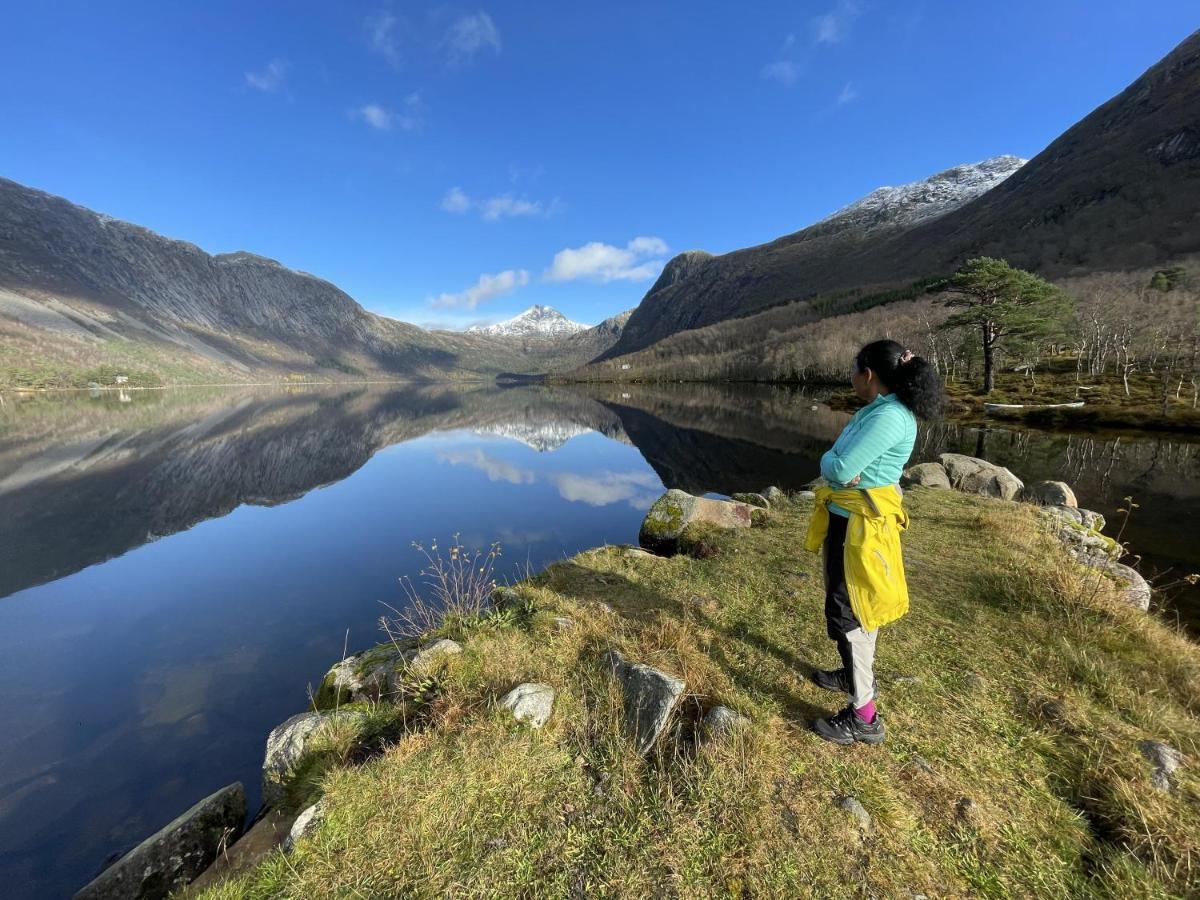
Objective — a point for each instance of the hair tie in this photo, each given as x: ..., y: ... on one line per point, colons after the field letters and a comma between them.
x: 906, y: 357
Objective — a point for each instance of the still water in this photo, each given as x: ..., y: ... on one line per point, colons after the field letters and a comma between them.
x: 176, y: 568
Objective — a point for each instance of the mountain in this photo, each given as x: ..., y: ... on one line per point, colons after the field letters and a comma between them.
x: 83, y: 293
x: 1116, y: 190
x: 536, y: 322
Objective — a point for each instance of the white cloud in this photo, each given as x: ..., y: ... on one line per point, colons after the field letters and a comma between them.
x: 468, y: 35
x: 602, y: 262
x: 831, y: 27
x: 456, y: 201
x: 638, y: 489
x: 784, y: 71
x: 495, y: 469
x: 407, y: 118
x: 501, y: 206
x: 848, y: 94
x: 271, y: 78
x: 381, y: 37
x: 488, y: 287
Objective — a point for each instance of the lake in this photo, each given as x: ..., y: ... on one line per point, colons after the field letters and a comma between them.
x: 178, y: 567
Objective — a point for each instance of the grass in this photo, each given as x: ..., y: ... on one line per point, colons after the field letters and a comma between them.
x: 1013, y: 683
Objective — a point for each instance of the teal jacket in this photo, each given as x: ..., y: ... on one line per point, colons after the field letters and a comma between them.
x: 875, y: 444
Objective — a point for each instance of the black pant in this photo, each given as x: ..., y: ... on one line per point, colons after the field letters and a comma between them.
x: 839, y: 616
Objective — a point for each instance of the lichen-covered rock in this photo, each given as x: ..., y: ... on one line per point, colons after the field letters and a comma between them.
x: 1050, y: 493
x: 506, y: 598
x: 365, y: 676
x: 433, y: 654
x: 927, y: 474
x: 306, y: 823
x: 1135, y: 590
x: 175, y: 855
x: 650, y: 698
x: 752, y: 499
x: 286, y: 745
x: 676, y: 510
x: 1165, y: 759
x: 978, y: 476
x: 775, y: 496
x: 530, y: 703
x: 721, y: 721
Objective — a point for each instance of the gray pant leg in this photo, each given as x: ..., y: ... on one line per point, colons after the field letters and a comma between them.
x: 862, y: 652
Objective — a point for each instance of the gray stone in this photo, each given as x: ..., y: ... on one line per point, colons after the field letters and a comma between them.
x: 650, y: 698
x: 752, y: 499
x: 433, y: 654
x: 1092, y: 521
x: 775, y: 496
x: 286, y: 745
x: 638, y: 553
x: 928, y: 474
x: 506, y: 598
x: 1064, y: 514
x: 265, y: 835
x: 806, y: 496
x: 968, y: 812
x: 1166, y: 761
x: 563, y: 623
x: 365, y: 676
x: 856, y: 809
x: 978, y: 476
x: 306, y: 823
x: 721, y: 721
x: 676, y: 510
x: 530, y: 703
x: 1136, y: 591
x: 1050, y: 493
x: 176, y: 854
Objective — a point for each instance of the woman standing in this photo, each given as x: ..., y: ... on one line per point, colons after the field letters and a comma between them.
x: 858, y: 519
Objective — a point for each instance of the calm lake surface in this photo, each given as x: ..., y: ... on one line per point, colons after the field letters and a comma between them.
x: 177, y: 567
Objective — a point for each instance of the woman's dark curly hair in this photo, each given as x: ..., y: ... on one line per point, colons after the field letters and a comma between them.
x: 912, y: 379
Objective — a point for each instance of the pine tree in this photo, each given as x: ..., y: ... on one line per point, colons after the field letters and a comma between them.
x: 1004, y: 304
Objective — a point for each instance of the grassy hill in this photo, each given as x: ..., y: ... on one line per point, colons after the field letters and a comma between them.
x: 1015, y: 694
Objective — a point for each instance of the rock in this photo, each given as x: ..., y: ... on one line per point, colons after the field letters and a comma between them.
x: 530, y: 703
x: 1064, y: 514
x: 176, y: 854
x: 563, y: 623
x: 975, y: 683
x: 638, y: 553
x: 929, y: 474
x: 806, y: 496
x: 978, y: 476
x: 506, y: 598
x: 752, y: 499
x: 306, y: 823
x: 429, y: 657
x: 264, y: 836
x: 775, y: 496
x: 1050, y: 493
x: 721, y: 721
x: 1136, y: 591
x: 968, y: 812
x: 1165, y: 759
x: 906, y: 679
x: 1092, y: 521
x: 365, y: 676
x: 650, y: 698
x: 856, y: 809
x: 675, y: 510
x: 921, y: 764
x: 285, y: 747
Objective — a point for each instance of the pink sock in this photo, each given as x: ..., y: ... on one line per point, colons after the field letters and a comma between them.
x: 866, y: 712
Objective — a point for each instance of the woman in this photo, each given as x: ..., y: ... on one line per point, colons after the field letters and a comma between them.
x: 858, y: 519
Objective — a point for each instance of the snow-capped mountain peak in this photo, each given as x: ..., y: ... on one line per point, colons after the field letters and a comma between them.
x: 930, y: 198
x: 537, y: 321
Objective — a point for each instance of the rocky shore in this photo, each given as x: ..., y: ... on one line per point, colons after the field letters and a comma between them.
x: 659, y: 641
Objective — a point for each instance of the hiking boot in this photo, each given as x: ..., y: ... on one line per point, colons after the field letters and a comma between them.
x: 846, y: 728
x: 832, y: 680
x: 836, y: 680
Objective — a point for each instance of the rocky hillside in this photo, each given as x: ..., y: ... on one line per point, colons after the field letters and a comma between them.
x: 1116, y: 190
x: 82, y: 293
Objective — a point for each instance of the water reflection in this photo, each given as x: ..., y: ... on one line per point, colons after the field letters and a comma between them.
x: 176, y: 567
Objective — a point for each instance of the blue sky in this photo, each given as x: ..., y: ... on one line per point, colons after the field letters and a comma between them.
x: 449, y: 164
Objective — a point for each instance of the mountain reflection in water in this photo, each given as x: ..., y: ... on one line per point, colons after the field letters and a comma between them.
x: 177, y: 567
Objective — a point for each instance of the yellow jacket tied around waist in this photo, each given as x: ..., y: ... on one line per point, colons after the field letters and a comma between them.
x: 874, y: 567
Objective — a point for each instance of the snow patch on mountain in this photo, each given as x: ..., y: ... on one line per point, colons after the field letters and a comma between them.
x: 542, y: 437
x: 537, y: 321
x: 924, y: 200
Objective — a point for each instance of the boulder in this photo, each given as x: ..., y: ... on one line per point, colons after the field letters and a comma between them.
x: 978, y: 476
x: 285, y: 747
x: 929, y: 474
x: 676, y: 510
x: 265, y: 835
x: 506, y: 598
x: 1165, y: 759
x: 530, y: 703
x: 752, y: 499
x: 857, y: 810
x: 775, y: 496
x: 365, y: 676
x: 1050, y: 493
x: 433, y: 654
x: 306, y: 823
x: 650, y: 698
x: 1135, y: 590
x: 721, y: 721
x: 175, y: 855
